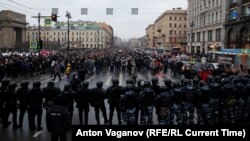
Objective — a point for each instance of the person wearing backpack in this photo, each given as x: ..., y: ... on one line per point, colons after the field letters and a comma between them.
x: 146, y: 98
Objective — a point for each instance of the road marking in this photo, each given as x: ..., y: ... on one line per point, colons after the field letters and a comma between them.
x: 121, y: 78
x: 149, y: 75
x: 108, y: 80
x: 92, y: 77
x: 37, y: 134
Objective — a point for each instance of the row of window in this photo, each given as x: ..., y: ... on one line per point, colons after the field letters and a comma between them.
x: 201, y: 5
x: 175, y: 32
x: 177, y: 18
x: 66, y: 33
x: 175, y: 25
x: 196, y: 37
x: 72, y: 39
x: 210, y: 18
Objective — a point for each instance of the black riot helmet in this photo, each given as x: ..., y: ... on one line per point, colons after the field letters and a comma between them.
x: 154, y: 80
x: 85, y: 84
x: 115, y: 81
x: 195, y: 81
x: 36, y: 84
x: 12, y: 86
x: 67, y: 87
x: 217, y: 79
x: 201, y: 83
x: 211, y: 79
x: 130, y: 81
x: 5, y: 82
x: 167, y: 82
x: 147, y: 84
x: 186, y: 82
x: 176, y: 84
x: 50, y: 84
x: 25, y: 84
x: 99, y: 84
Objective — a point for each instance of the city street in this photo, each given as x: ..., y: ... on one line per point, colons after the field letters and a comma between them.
x: 25, y: 134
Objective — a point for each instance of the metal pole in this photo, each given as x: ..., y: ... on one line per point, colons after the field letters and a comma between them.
x: 68, y: 34
x: 39, y: 29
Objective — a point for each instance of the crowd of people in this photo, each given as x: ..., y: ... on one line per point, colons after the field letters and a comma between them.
x: 219, y: 97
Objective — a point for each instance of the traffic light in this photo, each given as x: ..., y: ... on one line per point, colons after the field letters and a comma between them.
x: 54, y: 17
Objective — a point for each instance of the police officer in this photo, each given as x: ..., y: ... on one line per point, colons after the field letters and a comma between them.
x: 68, y: 97
x: 58, y: 120
x: 4, y: 86
x: 178, y: 97
x: 114, y: 93
x: 203, y: 104
x: 35, y: 102
x: 163, y: 105
x: 189, y: 97
x: 129, y: 102
x: 9, y: 105
x: 82, y: 99
x: 215, y: 86
x: 155, y: 86
x: 228, y: 101
x: 50, y: 92
x: 22, y: 95
x: 146, y: 98
x: 168, y: 85
x: 97, y: 101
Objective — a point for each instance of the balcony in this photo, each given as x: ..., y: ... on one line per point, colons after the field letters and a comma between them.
x: 233, y: 5
x: 245, y: 2
x: 240, y: 18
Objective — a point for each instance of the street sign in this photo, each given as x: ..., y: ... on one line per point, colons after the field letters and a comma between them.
x: 33, y: 44
x: 47, y: 21
x: 109, y: 11
x: 54, y: 11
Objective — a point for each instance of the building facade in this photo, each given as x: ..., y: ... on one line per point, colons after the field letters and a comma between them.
x: 150, y: 35
x: 12, y: 29
x: 82, y: 35
x: 206, y: 29
x: 237, y: 24
x: 168, y: 30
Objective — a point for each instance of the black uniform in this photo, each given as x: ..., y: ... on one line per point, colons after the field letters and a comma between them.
x: 68, y: 97
x: 129, y: 102
x: 35, y: 102
x: 50, y: 92
x: 22, y: 95
x: 9, y: 105
x: 97, y: 101
x: 4, y: 86
x: 58, y: 120
x: 163, y: 105
x: 83, y: 99
x: 114, y: 93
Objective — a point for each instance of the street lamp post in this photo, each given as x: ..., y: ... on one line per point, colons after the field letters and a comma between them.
x: 191, y: 34
x: 68, y: 15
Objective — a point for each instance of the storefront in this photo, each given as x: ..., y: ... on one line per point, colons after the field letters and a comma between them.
x: 234, y: 56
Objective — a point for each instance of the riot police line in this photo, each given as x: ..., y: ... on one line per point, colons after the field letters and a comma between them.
x: 222, y: 100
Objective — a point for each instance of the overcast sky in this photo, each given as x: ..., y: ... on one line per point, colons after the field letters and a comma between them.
x: 124, y: 24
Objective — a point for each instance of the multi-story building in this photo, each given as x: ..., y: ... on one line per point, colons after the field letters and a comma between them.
x: 82, y: 35
x: 237, y: 24
x: 205, y: 25
x: 150, y: 32
x: 168, y: 30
